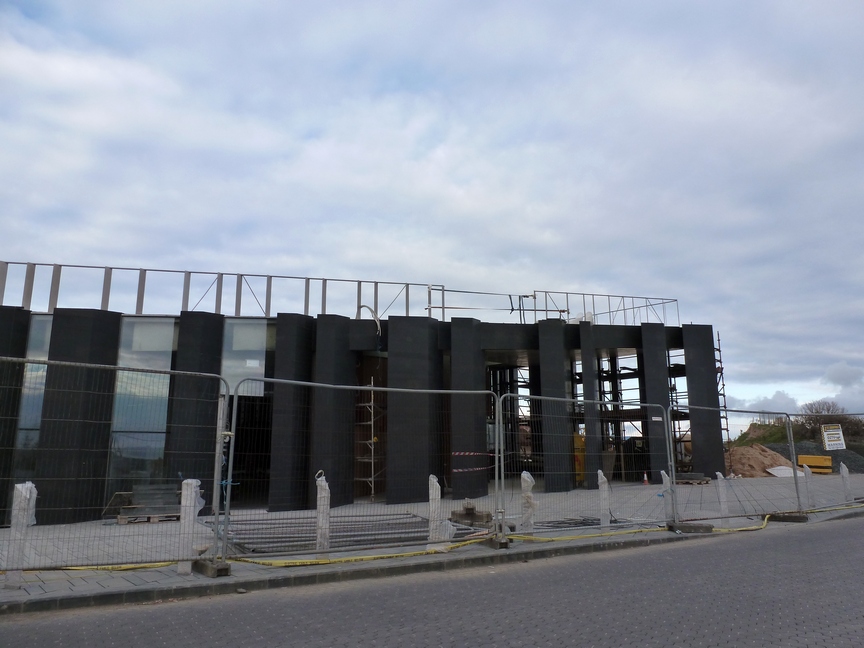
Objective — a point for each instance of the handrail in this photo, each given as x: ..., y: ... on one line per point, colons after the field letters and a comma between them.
x: 42, y: 287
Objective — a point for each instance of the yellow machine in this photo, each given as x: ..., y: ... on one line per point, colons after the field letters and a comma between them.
x: 579, y: 456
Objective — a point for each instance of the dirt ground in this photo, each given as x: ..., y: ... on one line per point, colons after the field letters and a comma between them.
x: 753, y: 461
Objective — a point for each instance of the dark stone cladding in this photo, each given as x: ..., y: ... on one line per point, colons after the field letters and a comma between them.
x: 75, y: 434
x: 416, y: 448
x: 193, y: 404
x: 706, y: 433
x: 468, y: 413
x: 331, y: 439
x: 313, y: 428
x: 289, y: 444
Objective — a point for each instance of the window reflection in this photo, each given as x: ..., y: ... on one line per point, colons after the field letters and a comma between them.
x: 32, y: 397
x: 244, y: 352
x: 140, y: 403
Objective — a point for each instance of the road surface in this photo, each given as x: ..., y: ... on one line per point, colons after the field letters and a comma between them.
x: 788, y: 585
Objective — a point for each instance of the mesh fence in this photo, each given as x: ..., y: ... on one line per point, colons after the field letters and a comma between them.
x: 103, y: 452
x: 371, y: 452
x: 98, y: 458
x: 788, y: 465
x: 561, y: 458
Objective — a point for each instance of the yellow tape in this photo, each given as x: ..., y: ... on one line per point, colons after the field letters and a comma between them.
x: 354, y: 559
x: 120, y: 567
x: 580, y: 537
x: 752, y: 528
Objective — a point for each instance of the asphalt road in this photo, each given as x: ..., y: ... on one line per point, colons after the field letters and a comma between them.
x: 788, y: 585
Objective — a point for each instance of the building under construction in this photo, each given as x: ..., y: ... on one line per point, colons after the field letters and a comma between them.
x: 609, y: 355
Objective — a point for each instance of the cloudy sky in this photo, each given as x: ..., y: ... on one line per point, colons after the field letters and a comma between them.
x: 709, y: 152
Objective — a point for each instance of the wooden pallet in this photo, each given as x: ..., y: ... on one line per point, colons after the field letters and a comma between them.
x: 160, y: 517
x: 151, y: 503
x: 692, y: 478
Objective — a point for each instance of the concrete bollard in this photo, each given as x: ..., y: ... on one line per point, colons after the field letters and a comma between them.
x: 847, y: 484
x: 22, y: 518
x: 666, y: 493
x: 529, y: 504
x: 191, y: 504
x: 808, y: 486
x: 435, y: 517
x: 723, y: 498
x: 322, y: 524
x: 605, y: 512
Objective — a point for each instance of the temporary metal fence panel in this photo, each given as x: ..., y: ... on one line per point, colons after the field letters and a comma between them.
x: 356, y: 462
x: 98, y: 455
x: 553, y: 449
x: 702, y: 496
x: 759, y: 454
x: 106, y: 450
x: 826, y: 442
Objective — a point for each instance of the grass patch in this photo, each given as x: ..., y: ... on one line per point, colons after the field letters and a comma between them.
x: 761, y: 433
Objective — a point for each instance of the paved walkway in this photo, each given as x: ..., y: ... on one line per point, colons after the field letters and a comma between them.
x: 637, y: 514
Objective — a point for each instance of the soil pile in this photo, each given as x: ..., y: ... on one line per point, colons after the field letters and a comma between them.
x: 753, y: 461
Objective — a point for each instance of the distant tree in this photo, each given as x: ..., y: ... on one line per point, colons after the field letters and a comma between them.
x: 815, y: 414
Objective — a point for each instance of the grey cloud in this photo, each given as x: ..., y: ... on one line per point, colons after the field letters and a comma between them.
x: 779, y: 402
x: 709, y: 153
x: 843, y: 375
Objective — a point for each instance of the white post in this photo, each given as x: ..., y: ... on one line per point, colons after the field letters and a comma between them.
x: 667, y: 497
x: 529, y: 503
x: 23, y: 516
x: 190, y: 504
x: 808, y: 478
x: 847, y: 484
x: 605, y: 513
x: 440, y: 528
x: 722, y: 496
x: 323, y: 520
x: 434, y: 510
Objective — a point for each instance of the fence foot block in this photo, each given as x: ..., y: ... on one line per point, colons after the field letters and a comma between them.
x: 689, y: 527
x: 211, y: 569
x: 498, y: 543
x: 788, y: 517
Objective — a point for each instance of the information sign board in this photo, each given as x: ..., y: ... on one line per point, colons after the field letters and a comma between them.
x: 832, y: 437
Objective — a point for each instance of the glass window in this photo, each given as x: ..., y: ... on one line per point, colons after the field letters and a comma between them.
x: 141, y: 399
x: 244, y: 352
x: 147, y: 342
x: 141, y: 402
x: 136, y: 458
x: 32, y: 397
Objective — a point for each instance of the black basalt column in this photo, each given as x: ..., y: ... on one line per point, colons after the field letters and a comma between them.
x: 413, y: 425
x: 333, y: 411
x: 468, y: 413
x: 557, y: 424
x: 654, y: 390
x: 14, y: 327
x: 289, y: 445
x: 590, y: 392
x: 706, y: 432
x: 75, y: 434
x: 193, y: 406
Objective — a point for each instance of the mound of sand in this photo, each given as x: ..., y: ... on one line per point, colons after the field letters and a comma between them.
x: 753, y: 461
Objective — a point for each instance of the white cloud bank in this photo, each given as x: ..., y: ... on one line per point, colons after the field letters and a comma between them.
x: 711, y: 153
